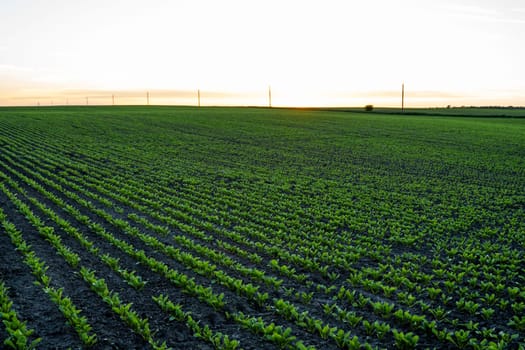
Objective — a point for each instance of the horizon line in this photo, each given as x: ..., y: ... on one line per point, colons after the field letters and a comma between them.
x: 352, y: 107
x: 256, y: 97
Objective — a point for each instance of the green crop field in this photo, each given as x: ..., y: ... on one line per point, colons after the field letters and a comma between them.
x: 256, y: 228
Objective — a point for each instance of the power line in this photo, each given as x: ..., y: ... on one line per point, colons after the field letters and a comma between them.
x: 403, y: 97
x: 269, y: 96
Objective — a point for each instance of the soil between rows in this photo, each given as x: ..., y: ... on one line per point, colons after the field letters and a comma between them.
x: 29, y: 301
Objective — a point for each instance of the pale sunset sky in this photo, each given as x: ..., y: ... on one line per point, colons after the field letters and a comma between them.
x: 311, y: 52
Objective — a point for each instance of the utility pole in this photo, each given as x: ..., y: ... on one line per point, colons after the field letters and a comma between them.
x: 113, y: 99
x: 199, y: 97
x: 147, y: 97
x: 403, y: 97
x: 269, y: 96
x: 87, y: 101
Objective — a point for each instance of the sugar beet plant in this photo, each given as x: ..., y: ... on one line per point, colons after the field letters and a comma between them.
x: 18, y: 335
x: 257, y: 228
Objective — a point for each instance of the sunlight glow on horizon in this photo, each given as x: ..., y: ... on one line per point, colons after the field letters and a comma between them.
x: 312, y: 53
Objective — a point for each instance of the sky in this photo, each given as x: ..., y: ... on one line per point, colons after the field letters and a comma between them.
x: 308, y: 52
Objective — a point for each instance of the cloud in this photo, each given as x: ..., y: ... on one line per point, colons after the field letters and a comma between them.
x: 409, y: 94
x: 11, y: 68
x: 23, y: 96
x: 486, y: 14
x: 433, y: 94
x: 473, y: 10
x: 154, y: 93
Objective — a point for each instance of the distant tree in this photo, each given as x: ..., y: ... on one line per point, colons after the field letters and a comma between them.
x: 369, y: 108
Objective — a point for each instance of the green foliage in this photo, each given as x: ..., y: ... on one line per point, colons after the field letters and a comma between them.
x: 405, y: 340
x: 18, y: 336
x: 517, y: 322
x: 459, y: 338
x: 18, y: 333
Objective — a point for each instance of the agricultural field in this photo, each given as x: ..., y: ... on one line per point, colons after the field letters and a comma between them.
x: 256, y: 228
x: 488, y: 112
